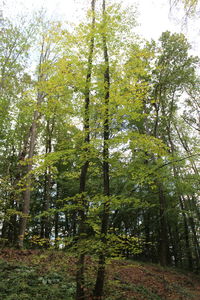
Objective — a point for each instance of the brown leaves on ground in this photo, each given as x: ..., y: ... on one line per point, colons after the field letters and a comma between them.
x: 144, y: 281
x: 125, y: 279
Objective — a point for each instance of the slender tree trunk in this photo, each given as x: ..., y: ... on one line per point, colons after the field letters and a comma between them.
x: 4, y: 231
x: 187, y: 238
x: 56, y: 221
x: 174, y: 248
x: 45, y: 222
x: 10, y: 228
x: 196, y: 242
x: 56, y: 216
x: 181, y: 201
x: 147, y: 235
x: 185, y: 222
x: 163, y: 253
x: 33, y: 136
x: 98, y: 291
x: 12, y: 231
x: 45, y: 225
x: 80, y: 282
x: 163, y: 234
x: 27, y: 192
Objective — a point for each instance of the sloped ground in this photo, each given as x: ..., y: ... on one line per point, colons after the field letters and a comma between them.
x: 149, y: 282
x: 40, y: 275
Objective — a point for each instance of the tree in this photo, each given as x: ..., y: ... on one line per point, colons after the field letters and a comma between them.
x: 14, y: 81
x: 84, y: 168
x: 189, y: 5
x: 98, y: 291
x: 42, y: 76
x: 100, y: 145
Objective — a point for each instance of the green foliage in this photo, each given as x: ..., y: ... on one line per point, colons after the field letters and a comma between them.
x: 151, y: 144
x: 121, y: 245
x: 25, y: 283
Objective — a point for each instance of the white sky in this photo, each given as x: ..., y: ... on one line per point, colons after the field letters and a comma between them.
x: 154, y: 15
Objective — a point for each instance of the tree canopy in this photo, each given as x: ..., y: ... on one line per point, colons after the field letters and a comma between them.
x: 99, y: 141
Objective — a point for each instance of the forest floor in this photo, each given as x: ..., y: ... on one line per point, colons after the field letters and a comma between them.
x: 50, y: 275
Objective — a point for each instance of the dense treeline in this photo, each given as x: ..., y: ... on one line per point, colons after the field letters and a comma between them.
x: 99, y: 144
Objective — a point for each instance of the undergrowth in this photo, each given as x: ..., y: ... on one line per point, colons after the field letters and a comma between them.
x: 50, y: 275
x: 21, y: 282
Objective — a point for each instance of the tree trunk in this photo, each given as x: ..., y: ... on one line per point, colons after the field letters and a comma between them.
x: 181, y: 201
x: 27, y: 192
x: 187, y: 238
x: 33, y: 134
x: 196, y: 242
x: 80, y: 282
x: 45, y: 222
x: 98, y: 291
x: 56, y: 216
x: 163, y: 253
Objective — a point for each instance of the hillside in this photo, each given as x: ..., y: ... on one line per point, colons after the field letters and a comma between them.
x: 40, y: 275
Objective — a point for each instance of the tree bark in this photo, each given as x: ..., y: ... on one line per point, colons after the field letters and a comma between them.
x: 163, y: 253
x: 80, y: 281
x: 181, y: 201
x: 45, y: 222
x: 187, y: 238
x: 27, y: 192
x: 98, y: 291
x: 33, y: 135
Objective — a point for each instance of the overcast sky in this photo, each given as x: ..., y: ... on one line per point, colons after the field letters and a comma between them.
x: 154, y: 15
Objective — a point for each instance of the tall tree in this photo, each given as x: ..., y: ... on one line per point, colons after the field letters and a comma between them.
x: 98, y: 291
x: 42, y: 76
x: 83, y: 175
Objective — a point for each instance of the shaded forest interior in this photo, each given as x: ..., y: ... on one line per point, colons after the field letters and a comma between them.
x: 99, y: 141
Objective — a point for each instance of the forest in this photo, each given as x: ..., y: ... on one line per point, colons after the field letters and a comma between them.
x: 99, y: 143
